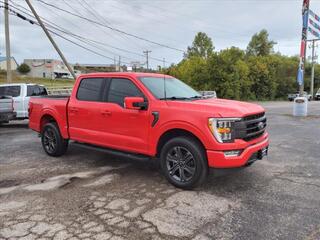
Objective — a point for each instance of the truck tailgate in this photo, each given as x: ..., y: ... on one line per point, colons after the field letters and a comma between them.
x: 6, y: 105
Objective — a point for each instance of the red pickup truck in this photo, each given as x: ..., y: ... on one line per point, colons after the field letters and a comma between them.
x: 153, y: 116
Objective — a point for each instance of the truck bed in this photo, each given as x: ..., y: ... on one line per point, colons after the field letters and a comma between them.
x: 53, y: 105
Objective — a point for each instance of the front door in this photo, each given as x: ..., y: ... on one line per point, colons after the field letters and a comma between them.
x: 124, y: 129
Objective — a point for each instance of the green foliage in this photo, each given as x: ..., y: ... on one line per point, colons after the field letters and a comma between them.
x: 260, y: 45
x: 202, y: 46
x: 254, y: 74
x: 23, y: 68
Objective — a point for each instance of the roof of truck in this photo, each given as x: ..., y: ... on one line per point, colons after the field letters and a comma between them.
x: 128, y: 74
x: 19, y: 84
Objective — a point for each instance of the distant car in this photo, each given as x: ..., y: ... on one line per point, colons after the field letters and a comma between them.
x: 209, y: 93
x: 317, y: 96
x: 21, y: 93
x: 292, y: 96
x: 6, y: 109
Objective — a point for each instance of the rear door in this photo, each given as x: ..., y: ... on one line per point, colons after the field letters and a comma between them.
x: 84, y: 111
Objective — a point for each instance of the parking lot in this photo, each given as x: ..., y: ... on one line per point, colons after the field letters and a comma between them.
x: 91, y: 195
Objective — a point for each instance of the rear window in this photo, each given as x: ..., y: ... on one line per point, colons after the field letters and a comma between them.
x: 90, y: 89
x: 13, y: 91
x: 35, y: 90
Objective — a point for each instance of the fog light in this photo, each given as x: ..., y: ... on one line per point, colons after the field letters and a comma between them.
x: 232, y: 153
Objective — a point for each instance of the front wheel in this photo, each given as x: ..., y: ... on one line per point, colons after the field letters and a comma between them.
x: 184, y: 163
x: 52, y: 141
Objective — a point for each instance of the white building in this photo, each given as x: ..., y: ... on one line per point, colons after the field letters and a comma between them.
x: 48, y: 68
x: 3, y: 63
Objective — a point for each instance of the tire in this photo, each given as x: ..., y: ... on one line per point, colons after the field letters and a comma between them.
x: 52, y: 141
x: 184, y: 163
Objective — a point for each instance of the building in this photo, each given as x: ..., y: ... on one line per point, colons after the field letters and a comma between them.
x: 3, y: 63
x: 48, y: 68
x: 88, y: 68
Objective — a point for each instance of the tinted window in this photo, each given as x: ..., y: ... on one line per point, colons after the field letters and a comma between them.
x: 90, y: 89
x: 121, y: 88
x: 13, y: 91
x: 34, y: 90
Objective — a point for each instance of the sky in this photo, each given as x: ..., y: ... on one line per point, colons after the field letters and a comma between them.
x: 173, y: 23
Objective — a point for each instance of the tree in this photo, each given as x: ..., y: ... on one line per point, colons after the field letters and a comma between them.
x: 201, y: 47
x: 260, y: 45
x: 24, y: 68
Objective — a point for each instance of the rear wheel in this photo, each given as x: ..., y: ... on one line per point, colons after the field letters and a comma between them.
x: 184, y: 163
x: 52, y: 141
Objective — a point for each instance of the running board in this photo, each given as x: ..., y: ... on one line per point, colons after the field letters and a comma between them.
x: 137, y: 157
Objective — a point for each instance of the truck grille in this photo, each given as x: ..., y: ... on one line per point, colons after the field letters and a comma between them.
x: 251, y: 127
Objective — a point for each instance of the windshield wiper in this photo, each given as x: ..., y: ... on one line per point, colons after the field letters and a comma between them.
x: 174, y: 98
x: 196, y: 97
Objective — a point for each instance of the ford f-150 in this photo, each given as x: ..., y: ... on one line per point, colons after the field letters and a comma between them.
x: 152, y: 116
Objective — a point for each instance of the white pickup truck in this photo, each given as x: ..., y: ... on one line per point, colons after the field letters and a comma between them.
x: 21, y: 93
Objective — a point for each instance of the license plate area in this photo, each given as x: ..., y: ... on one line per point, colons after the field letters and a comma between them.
x: 263, y: 152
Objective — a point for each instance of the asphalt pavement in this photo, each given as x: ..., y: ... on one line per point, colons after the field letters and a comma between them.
x: 90, y: 195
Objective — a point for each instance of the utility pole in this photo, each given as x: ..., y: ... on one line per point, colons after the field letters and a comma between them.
x: 7, y: 33
x: 313, y: 60
x: 51, y: 39
x: 164, y: 62
x: 147, y: 57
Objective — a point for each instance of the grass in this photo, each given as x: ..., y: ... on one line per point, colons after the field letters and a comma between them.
x: 43, y: 81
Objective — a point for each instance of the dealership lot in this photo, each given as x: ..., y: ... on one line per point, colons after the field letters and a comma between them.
x: 91, y: 195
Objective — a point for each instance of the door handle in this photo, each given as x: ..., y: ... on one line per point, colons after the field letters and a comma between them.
x: 106, y: 113
x: 74, y: 110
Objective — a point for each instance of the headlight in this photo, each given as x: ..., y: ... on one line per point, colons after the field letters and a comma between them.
x: 223, y: 128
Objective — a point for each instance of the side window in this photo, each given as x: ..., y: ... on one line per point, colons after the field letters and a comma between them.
x: 90, y: 89
x: 32, y: 90
x: 13, y: 91
x: 42, y: 91
x: 121, y: 88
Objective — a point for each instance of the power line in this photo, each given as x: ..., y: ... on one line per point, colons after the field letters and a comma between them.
x: 112, y: 28
x: 14, y: 13
x: 65, y: 31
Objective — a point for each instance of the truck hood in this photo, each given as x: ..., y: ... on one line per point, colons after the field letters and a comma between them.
x: 219, y: 107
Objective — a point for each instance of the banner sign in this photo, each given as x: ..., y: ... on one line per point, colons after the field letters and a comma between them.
x: 314, y: 24
x: 305, y: 21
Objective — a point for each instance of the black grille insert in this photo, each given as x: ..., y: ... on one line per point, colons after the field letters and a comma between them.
x: 251, y: 127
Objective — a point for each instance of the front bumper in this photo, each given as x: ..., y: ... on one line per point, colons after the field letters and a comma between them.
x: 217, y: 159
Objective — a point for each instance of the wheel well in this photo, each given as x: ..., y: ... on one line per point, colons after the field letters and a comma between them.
x: 175, y: 133
x: 46, y: 119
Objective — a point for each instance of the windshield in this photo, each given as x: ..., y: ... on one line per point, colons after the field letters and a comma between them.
x: 175, y: 89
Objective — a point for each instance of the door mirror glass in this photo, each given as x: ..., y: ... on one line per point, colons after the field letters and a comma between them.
x: 137, y: 103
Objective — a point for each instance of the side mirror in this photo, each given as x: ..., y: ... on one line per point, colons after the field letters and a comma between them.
x: 137, y: 103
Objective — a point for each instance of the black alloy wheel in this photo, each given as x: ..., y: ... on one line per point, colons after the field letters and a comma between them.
x: 183, y: 162
x: 52, y: 141
x: 49, y: 141
x: 180, y: 164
